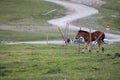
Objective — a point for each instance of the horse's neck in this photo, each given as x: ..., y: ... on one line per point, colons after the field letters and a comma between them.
x: 85, y: 36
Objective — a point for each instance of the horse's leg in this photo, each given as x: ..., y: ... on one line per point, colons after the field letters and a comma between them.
x: 85, y: 47
x: 102, y: 43
x: 98, y: 46
x: 90, y: 47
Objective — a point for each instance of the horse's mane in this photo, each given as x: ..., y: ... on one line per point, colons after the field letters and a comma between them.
x: 83, y: 31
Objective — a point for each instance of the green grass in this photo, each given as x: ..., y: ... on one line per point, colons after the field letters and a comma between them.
x: 56, y: 62
x: 111, y: 14
x: 6, y: 35
x: 53, y: 34
x: 28, y: 12
x: 48, y: 62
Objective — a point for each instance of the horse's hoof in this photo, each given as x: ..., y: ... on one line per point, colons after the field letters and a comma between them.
x: 97, y: 51
x: 103, y: 49
x: 90, y: 51
x: 82, y: 52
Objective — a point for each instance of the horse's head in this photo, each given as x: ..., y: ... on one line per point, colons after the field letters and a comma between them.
x: 82, y: 33
x: 78, y: 35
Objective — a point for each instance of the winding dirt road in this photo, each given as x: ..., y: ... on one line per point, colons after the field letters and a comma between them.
x: 76, y: 12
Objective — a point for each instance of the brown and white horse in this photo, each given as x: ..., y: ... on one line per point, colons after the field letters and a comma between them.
x: 96, y: 36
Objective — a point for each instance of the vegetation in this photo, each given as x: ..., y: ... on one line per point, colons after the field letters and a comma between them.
x: 48, y: 62
x: 52, y: 33
x: 6, y: 35
x: 111, y: 14
x: 56, y: 62
x: 28, y: 12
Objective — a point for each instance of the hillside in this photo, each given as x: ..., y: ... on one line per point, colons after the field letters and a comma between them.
x: 28, y: 12
x: 109, y: 13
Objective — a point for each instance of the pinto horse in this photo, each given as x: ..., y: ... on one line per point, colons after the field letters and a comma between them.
x: 96, y: 36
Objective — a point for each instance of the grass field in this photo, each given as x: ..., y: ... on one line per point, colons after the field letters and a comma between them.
x: 53, y: 34
x: 6, y: 35
x: 111, y: 14
x: 28, y: 12
x: 48, y: 62
x: 56, y: 62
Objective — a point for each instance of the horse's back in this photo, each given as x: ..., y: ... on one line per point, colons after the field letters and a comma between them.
x: 98, y: 35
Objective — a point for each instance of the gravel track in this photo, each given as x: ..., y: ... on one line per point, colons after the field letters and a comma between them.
x: 77, y: 11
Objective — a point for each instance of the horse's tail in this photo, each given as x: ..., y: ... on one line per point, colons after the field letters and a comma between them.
x: 103, y: 37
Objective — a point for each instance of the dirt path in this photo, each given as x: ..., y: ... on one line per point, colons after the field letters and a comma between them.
x: 76, y: 12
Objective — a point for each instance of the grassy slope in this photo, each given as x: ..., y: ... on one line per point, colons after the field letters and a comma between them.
x: 55, y: 62
x: 28, y: 12
x: 6, y: 35
x: 53, y: 34
x: 108, y: 11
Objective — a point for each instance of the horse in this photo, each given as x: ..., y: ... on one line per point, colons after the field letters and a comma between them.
x: 96, y: 36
